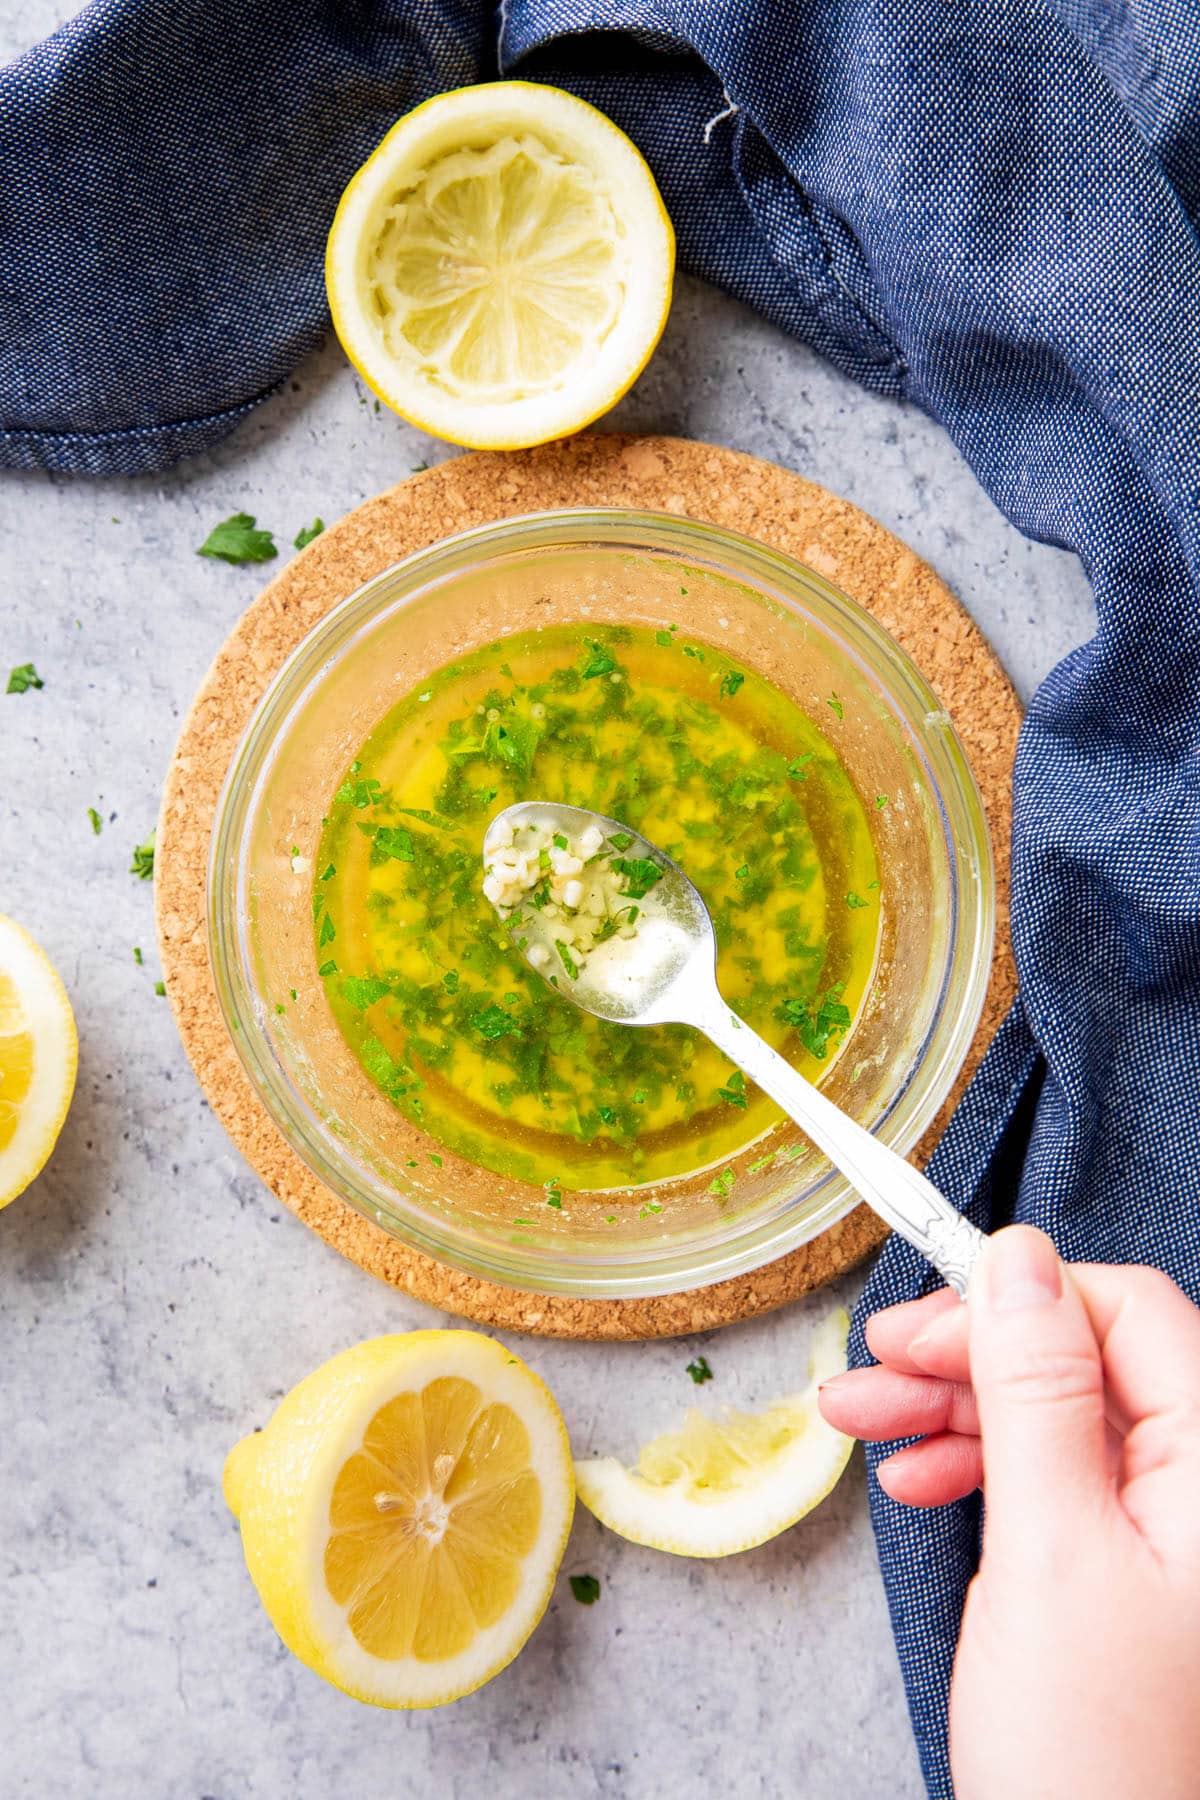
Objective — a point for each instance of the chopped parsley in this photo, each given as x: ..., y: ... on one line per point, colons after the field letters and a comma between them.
x: 137, y: 955
x: 307, y: 533
x: 600, y: 661
x: 731, y: 681
x: 722, y: 1185
x: 734, y: 1091
x: 566, y: 959
x: 586, y: 1589
x: 358, y: 793
x: 817, y: 1022
x: 554, y: 1200
x: 881, y: 800
x: 96, y: 820
x: 160, y: 988
x: 143, y: 860
x: 664, y: 638
x: 391, y: 843
x: 237, y: 540
x: 651, y: 1206
x: 621, y: 840
x: 835, y: 706
x: 328, y: 968
x: 327, y: 932
x: 21, y: 679
x: 855, y: 901
x: 640, y: 874
x: 492, y: 1022
x: 699, y: 1370
x: 361, y: 991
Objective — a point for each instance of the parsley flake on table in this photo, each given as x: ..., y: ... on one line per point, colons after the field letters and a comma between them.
x: 586, y: 1589
x: 21, y: 679
x: 307, y: 533
x: 699, y: 1370
x: 160, y: 988
x: 96, y: 820
x: 238, y: 540
x: 137, y: 955
x: 143, y: 860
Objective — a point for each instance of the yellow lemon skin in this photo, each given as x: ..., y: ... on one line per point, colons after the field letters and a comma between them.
x: 279, y: 1483
x: 506, y: 324
x: 39, y: 1055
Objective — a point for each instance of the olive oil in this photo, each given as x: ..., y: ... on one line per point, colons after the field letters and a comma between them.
x: 699, y: 754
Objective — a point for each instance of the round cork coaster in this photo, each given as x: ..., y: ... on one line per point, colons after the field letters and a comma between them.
x: 664, y: 474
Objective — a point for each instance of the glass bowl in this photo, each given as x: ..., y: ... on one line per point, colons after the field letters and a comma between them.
x: 775, y: 616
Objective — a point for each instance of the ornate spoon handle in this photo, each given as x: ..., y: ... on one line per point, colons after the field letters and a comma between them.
x: 899, y: 1193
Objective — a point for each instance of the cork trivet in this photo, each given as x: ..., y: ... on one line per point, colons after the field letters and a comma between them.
x: 665, y: 474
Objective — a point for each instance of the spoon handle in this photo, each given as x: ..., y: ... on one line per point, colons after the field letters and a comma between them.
x: 900, y: 1194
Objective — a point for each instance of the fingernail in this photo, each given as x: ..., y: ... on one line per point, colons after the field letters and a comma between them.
x: 1021, y: 1270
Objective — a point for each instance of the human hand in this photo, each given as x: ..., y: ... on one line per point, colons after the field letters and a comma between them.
x: 1073, y: 1394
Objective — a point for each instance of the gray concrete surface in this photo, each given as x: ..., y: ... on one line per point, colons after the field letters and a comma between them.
x: 155, y: 1302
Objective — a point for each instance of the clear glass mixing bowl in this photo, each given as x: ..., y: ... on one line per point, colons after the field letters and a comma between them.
x: 775, y: 616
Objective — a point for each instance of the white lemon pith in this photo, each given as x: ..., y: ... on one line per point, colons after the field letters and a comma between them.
x: 718, y: 1486
x: 500, y: 269
x: 38, y: 1055
x: 404, y: 1514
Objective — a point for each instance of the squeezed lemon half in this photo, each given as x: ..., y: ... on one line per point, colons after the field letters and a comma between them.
x: 404, y: 1514
x: 500, y: 269
x: 716, y: 1486
x: 39, y: 1052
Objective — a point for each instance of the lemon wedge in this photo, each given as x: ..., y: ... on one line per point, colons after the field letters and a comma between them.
x: 38, y: 1055
x: 499, y: 270
x: 716, y: 1486
x: 404, y: 1514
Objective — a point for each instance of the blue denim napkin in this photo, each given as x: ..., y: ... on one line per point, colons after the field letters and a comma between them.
x: 990, y: 209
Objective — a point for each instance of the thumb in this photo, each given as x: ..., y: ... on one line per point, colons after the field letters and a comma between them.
x: 1039, y: 1384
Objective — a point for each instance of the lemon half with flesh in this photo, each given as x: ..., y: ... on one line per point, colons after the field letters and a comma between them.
x: 38, y: 1055
x: 720, y: 1485
x: 499, y: 270
x: 404, y: 1514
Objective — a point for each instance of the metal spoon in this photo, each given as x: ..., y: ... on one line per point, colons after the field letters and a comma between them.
x: 672, y: 980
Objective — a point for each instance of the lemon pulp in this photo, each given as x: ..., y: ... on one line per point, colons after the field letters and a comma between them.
x: 499, y: 270
x: 429, y: 1522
